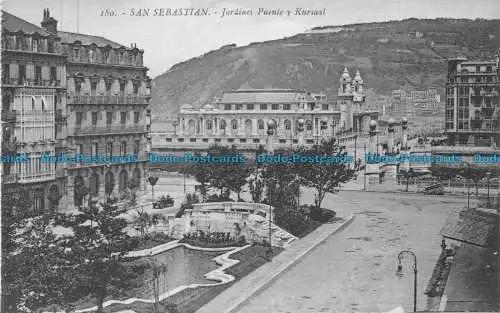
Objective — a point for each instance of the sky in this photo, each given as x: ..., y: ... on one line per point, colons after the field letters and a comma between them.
x: 169, y: 40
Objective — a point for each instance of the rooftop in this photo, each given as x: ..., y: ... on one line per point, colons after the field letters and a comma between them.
x: 473, y: 227
x: 69, y: 38
x: 265, y: 96
x: 15, y: 24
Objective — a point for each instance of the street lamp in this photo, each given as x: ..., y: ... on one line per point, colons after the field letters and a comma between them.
x: 271, y: 126
x: 300, y: 128
x: 408, y: 174
x: 152, y: 181
x: 399, y: 272
x: 488, y: 175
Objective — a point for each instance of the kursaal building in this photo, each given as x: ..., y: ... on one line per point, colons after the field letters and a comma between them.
x: 241, y: 117
x: 70, y: 93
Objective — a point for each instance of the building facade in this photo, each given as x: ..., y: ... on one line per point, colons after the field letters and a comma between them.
x: 240, y: 117
x: 33, y: 99
x: 67, y: 94
x: 472, y: 103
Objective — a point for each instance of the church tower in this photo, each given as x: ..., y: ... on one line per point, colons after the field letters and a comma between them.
x: 351, y: 100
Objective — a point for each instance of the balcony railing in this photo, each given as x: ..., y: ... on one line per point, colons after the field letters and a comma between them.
x: 121, y: 129
x: 130, y: 99
x: 9, y: 116
x: 10, y: 178
x: 31, y: 82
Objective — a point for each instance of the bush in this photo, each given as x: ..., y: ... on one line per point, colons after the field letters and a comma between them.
x: 219, y: 198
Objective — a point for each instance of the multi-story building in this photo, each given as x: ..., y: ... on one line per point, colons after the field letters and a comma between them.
x: 240, y: 117
x: 72, y: 93
x: 411, y: 104
x: 33, y: 97
x: 472, y: 110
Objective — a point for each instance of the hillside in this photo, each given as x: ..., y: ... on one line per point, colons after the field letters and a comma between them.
x: 409, y: 54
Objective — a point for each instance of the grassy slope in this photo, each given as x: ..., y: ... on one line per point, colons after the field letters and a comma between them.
x: 314, y: 61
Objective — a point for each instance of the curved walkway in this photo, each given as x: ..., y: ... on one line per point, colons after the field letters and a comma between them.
x: 217, y: 275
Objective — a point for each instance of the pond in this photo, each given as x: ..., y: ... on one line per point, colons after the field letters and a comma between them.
x: 184, y: 267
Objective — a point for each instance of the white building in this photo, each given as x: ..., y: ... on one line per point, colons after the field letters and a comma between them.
x: 240, y: 117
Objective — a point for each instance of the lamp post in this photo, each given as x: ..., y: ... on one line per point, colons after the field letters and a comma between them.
x: 271, y: 126
x: 366, y: 164
x: 300, y: 128
x: 401, y: 255
x: 152, y: 181
x: 408, y: 175
x: 488, y: 175
x: 355, y: 150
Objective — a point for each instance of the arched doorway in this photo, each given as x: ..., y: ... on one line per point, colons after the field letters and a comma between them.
x: 80, y: 190
x: 53, y: 197
x: 123, y: 180
x: 94, y: 185
x: 248, y: 127
x: 109, y: 183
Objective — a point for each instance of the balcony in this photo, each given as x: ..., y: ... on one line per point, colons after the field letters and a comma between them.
x: 17, y: 82
x: 9, y: 179
x: 9, y: 116
x: 121, y: 129
x: 130, y: 99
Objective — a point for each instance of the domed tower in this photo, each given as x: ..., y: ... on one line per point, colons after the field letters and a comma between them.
x: 345, y: 82
x: 358, y: 83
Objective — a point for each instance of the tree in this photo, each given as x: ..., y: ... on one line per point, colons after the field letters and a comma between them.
x: 256, y: 185
x: 324, y: 176
x: 98, y: 247
x: 201, y: 172
x: 142, y: 221
x: 475, y: 174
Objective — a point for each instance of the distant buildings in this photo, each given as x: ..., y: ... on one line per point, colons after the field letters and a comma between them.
x: 472, y: 102
x: 412, y: 103
x: 240, y: 117
x: 74, y: 94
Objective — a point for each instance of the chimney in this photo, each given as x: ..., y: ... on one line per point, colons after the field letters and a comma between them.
x: 48, y: 22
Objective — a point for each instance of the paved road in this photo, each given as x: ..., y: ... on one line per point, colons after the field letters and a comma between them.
x: 354, y: 271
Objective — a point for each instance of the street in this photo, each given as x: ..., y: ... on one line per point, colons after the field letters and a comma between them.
x: 355, y: 270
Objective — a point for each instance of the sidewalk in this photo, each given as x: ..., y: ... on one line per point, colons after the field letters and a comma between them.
x: 235, y: 296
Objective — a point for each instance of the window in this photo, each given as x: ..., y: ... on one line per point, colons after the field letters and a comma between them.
x: 79, y: 148
x: 109, y: 149
x: 93, y: 86
x: 238, y: 107
x: 109, y: 118
x: 76, y: 54
x: 263, y: 106
x: 79, y: 118
x: 94, y: 119
x: 478, y: 68
x: 209, y: 125
x: 250, y: 106
x: 38, y: 75
x: 325, y: 107
x: 35, y: 45
x: 95, y: 146
x: 78, y: 86
x: 286, y: 106
x: 136, y: 86
x: 5, y: 73
x: 489, y: 69
x: 260, y: 124
x: 105, y: 57
x: 109, y: 83
x: 323, y: 125
x: 53, y: 74
x: 288, y: 125
x: 309, y: 125
x: 227, y: 107
x: 22, y: 74
x: 123, y: 148
x: 234, y: 124
x: 43, y: 104
x: 137, y: 145
x: 122, y: 86
x: 275, y: 106
x: 136, y: 117
x: 123, y: 117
